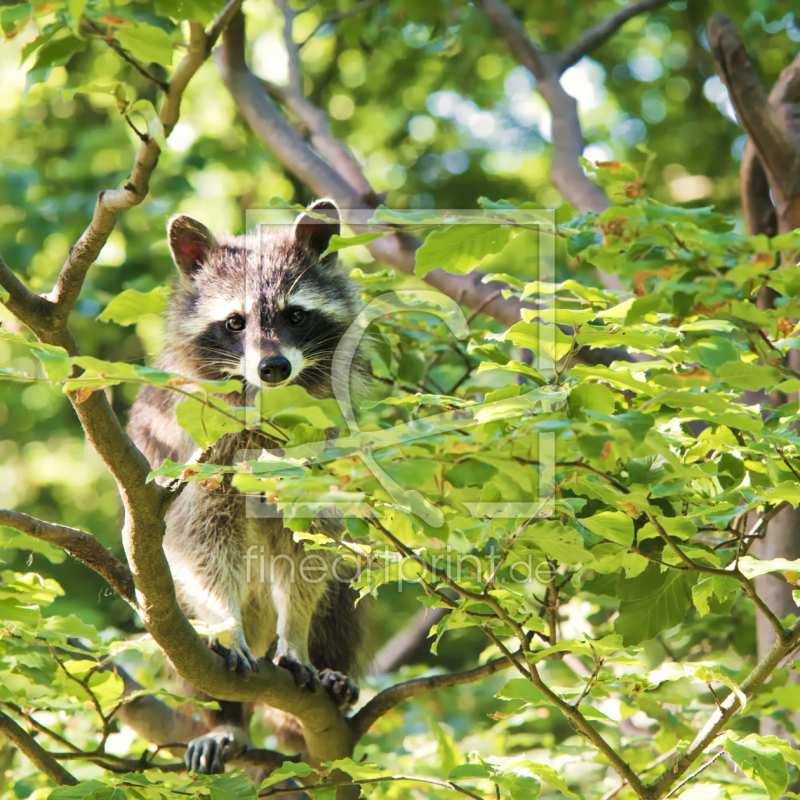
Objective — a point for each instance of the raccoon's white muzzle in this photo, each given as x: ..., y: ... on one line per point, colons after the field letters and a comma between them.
x: 267, y: 372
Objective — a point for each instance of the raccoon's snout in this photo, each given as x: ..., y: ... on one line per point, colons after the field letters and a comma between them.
x: 275, y: 370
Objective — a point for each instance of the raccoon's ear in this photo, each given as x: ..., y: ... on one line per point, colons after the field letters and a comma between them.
x: 190, y: 243
x: 316, y: 233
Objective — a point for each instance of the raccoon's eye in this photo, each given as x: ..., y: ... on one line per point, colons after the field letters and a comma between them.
x: 296, y: 316
x: 235, y: 323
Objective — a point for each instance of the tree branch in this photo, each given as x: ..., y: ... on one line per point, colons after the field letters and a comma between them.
x: 145, y: 505
x: 35, y: 753
x: 759, y: 211
x: 723, y: 714
x: 79, y: 544
x: 346, y: 185
x: 386, y: 700
x: 567, y: 173
x: 338, y: 16
x: 777, y: 150
x: 602, y: 32
x: 329, y: 169
x: 52, y: 319
x: 109, y: 40
x: 747, y: 585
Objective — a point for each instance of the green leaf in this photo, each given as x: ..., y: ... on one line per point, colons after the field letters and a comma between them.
x: 521, y: 689
x: 75, y: 8
x: 556, y: 541
x: 517, y: 367
x: 753, y: 567
x: 559, y: 316
x: 11, y: 612
x: 460, y: 248
x: 286, y: 771
x: 54, y: 53
x: 209, y: 420
x: 129, y: 306
x: 613, y: 525
x: 79, y: 792
x: 521, y: 786
x: 591, y: 397
x: 292, y: 405
x: 357, y: 771
x: 549, y: 776
x: 547, y: 341
x: 13, y: 18
x: 761, y: 763
x: 652, y: 602
x: 341, y: 242
x: 465, y: 771
x: 713, y: 352
x: 748, y: 376
x: 146, y: 43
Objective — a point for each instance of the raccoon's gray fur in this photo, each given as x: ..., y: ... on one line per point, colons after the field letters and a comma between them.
x: 265, y: 308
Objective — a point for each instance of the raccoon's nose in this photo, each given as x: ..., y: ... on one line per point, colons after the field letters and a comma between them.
x: 275, y: 369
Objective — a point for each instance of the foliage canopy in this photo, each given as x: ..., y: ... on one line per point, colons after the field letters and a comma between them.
x: 591, y: 478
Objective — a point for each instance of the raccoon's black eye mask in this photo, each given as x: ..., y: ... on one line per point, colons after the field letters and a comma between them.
x: 295, y: 315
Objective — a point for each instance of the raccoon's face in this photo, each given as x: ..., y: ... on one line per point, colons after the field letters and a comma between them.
x: 264, y: 307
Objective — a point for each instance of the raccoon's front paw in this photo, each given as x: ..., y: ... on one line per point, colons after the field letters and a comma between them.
x: 207, y: 754
x: 303, y: 674
x: 238, y: 658
x: 344, y: 691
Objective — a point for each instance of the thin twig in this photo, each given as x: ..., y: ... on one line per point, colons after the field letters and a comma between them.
x: 338, y: 16
x: 387, y: 779
x: 602, y: 32
x: 695, y: 774
x: 109, y: 40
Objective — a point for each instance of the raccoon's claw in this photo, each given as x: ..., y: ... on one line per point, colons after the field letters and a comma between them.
x: 344, y: 691
x: 207, y: 754
x: 238, y: 659
x: 303, y: 674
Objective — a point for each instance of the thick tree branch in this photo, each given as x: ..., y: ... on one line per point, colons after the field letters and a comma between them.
x: 602, y: 32
x: 35, y: 753
x: 79, y: 544
x: 22, y: 302
x: 386, y: 700
x: 109, y: 203
x: 774, y: 144
x: 759, y: 211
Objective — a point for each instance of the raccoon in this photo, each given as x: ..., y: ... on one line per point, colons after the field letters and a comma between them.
x: 268, y: 309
